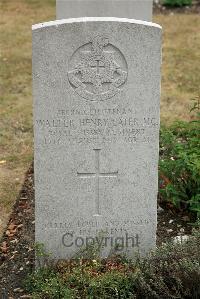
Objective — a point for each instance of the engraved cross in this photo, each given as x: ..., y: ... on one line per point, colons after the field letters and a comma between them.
x: 97, y: 175
x: 98, y: 65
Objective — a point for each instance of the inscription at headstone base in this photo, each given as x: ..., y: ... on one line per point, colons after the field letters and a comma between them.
x: 133, y: 9
x: 96, y: 88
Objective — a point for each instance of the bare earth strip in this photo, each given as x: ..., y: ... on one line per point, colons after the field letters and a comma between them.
x: 180, y: 83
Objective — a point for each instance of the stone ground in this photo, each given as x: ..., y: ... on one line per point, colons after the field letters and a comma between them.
x: 17, y: 243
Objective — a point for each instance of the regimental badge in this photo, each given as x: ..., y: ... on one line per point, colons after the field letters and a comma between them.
x: 97, y: 70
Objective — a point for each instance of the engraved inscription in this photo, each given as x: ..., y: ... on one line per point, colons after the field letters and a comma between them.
x: 97, y: 70
x: 90, y: 125
x: 113, y: 225
x: 97, y: 175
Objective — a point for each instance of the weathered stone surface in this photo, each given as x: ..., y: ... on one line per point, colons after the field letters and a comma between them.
x: 96, y: 86
x: 133, y: 9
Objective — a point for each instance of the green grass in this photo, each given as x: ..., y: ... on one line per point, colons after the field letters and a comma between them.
x: 180, y: 83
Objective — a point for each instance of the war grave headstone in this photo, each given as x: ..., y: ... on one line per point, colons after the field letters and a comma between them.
x: 96, y: 89
x: 133, y: 9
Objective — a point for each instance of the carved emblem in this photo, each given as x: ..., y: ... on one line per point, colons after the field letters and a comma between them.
x: 97, y: 70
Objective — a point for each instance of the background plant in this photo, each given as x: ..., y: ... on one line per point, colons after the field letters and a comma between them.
x: 172, y: 271
x: 177, y: 3
x: 179, y: 165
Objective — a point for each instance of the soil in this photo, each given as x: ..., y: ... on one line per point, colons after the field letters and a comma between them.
x: 17, y: 243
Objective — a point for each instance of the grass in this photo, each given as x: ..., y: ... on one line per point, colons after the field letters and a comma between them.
x: 16, y: 134
x: 180, y: 83
x: 181, y: 68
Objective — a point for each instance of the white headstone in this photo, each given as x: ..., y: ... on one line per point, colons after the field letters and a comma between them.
x: 96, y: 86
x: 133, y: 9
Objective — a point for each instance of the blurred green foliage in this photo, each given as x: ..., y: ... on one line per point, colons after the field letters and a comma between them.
x: 179, y: 166
x: 177, y: 3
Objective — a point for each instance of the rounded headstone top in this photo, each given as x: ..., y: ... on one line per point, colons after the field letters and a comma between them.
x: 93, y: 19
